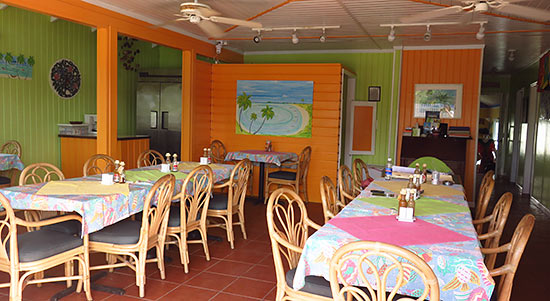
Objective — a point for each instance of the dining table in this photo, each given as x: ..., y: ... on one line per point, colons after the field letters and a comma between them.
x: 262, y: 157
x: 442, y: 234
x: 10, y: 161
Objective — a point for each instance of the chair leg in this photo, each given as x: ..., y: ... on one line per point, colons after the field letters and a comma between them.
x: 241, y: 222
x: 140, y: 273
x: 160, y: 260
x: 69, y: 270
x: 204, y: 238
x: 229, y: 228
x: 39, y: 275
x: 306, y: 198
x: 86, y: 273
x: 15, y: 293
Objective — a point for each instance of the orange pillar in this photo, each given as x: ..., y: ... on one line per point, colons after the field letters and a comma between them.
x: 107, y: 91
x: 188, y: 73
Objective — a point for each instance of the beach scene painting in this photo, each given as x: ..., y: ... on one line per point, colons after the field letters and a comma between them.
x: 274, y: 108
x: 16, y: 67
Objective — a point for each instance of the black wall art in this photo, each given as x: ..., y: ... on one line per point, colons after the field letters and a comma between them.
x: 65, y: 78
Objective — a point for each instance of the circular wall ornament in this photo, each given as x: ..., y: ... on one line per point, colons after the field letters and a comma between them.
x: 65, y: 78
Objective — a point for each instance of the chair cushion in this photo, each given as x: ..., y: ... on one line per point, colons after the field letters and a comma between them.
x: 218, y: 201
x: 72, y: 227
x: 125, y: 232
x: 283, y: 175
x: 174, y: 220
x: 314, y: 284
x: 43, y: 243
x: 4, y: 180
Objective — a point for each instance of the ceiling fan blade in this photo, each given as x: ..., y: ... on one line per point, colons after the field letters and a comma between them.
x: 432, y: 14
x: 232, y: 21
x: 211, y: 29
x: 207, y: 12
x: 168, y: 22
x: 467, y: 17
x: 525, y: 12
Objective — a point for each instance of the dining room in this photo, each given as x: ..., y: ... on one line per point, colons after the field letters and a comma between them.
x: 160, y: 150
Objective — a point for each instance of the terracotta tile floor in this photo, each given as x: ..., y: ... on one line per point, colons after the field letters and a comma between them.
x: 247, y: 272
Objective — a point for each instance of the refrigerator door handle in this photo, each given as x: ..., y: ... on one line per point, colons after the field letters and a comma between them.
x: 164, y: 121
x: 154, y: 119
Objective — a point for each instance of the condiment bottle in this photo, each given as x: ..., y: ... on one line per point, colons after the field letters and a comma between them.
x: 411, y: 203
x: 411, y: 183
x: 168, y: 159
x: 116, y: 174
x: 424, y: 173
x: 417, y: 169
x: 402, y: 199
x: 209, y: 156
x: 122, y: 173
x: 175, y: 162
x: 417, y: 183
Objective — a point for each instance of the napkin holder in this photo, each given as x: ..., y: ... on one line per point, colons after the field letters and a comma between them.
x: 165, y: 168
x: 406, y: 214
x: 107, y: 179
x: 204, y: 161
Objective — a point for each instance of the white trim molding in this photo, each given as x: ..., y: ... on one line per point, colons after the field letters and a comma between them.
x: 441, y: 47
x: 327, y: 51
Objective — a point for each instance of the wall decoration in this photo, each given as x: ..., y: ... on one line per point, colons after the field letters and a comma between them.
x: 128, y: 53
x: 374, y: 93
x: 274, y: 108
x: 65, y: 78
x: 445, y: 98
x: 16, y: 67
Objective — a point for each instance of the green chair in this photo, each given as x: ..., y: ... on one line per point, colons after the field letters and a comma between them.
x: 432, y: 163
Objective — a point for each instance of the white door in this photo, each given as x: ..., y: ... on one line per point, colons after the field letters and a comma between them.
x: 517, y: 135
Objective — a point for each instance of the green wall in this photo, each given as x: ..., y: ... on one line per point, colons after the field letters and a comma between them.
x: 371, y: 69
x: 30, y: 110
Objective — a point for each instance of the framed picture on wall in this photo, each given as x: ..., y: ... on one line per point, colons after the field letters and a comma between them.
x: 443, y: 98
x: 374, y: 93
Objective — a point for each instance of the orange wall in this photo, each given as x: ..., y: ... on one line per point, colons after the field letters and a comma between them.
x: 326, y: 114
x: 453, y: 66
x: 201, y: 108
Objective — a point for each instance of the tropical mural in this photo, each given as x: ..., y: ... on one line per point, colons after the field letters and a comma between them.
x: 274, y: 108
x: 444, y: 98
x: 17, y: 67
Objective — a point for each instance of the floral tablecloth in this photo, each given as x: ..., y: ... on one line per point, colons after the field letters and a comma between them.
x: 221, y: 172
x: 443, y: 236
x: 9, y: 161
x: 97, y: 211
x: 261, y: 156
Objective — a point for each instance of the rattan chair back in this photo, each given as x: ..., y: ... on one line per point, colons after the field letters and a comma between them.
x: 150, y: 157
x: 40, y: 173
x: 11, y: 147
x: 98, y: 164
x: 484, y: 196
x: 329, y: 198
x: 218, y: 151
x: 360, y: 172
x: 346, y: 185
x: 399, y: 264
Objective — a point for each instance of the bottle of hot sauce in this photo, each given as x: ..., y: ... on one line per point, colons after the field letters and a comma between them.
x: 411, y: 183
x: 402, y: 199
x: 424, y: 173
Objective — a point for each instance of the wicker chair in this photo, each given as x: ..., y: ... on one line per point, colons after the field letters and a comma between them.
x: 31, y: 253
x: 218, y: 151
x: 497, y: 221
x: 485, y: 191
x: 98, y: 164
x: 296, y: 179
x: 360, y: 173
x: 190, y: 215
x: 132, y: 239
x: 346, y: 185
x: 331, y: 204
x: 225, y: 205
x: 514, y: 250
x: 10, y: 147
x: 288, y: 225
x: 150, y: 157
x: 368, y: 254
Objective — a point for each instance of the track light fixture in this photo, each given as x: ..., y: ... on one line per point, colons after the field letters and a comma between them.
x: 257, y: 38
x: 481, y: 33
x: 295, y: 39
x: 428, y: 34
x: 511, y: 55
x: 323, y: 37
x: 391, y: 36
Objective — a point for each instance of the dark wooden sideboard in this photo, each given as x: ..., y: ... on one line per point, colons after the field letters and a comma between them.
x: 452, y: 151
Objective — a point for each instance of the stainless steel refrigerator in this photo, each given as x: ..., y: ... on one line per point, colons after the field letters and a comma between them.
x: 158, y: 110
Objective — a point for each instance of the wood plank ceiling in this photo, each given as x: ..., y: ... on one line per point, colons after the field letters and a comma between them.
x: 359, y: 22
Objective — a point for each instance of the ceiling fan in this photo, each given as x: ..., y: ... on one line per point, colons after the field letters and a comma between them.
x: 481, y: 6
x: 204, y: 17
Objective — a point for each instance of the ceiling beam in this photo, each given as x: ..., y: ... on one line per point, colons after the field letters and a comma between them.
x: 363, y: 29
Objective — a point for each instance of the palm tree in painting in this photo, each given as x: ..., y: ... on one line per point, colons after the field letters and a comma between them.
x: 267, y: 114
x: 253, y: 117
x: 8, y: 58
x: 31, y: 61
x: 244, y: 102
x: 21, y: 59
